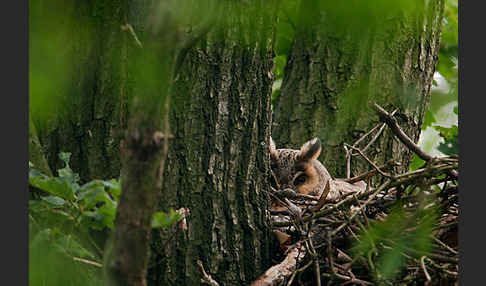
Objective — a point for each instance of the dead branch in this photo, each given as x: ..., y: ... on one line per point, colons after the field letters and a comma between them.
x: 206, y: 279
x: 369, y: 161
x: 365, y: 176
x: 299, y: 271
x: 393, y: 124
x: 322, y: 199
x: 278, y: 273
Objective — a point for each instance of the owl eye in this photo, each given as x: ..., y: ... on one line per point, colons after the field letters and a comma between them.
x: 300, y: 180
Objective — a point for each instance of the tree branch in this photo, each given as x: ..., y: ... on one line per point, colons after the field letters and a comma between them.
x: 393, y: 124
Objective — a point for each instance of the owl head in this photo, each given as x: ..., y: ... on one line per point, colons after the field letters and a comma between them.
x: 299, y: 170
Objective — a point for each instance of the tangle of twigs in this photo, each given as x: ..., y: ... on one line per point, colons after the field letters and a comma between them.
x: 328, y: 232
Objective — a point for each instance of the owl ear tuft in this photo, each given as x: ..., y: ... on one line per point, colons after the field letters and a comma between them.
x: 273, y: 150
x: 310, y: 150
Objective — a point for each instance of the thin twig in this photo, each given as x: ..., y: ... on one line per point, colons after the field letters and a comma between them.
x: 207, y: 279
x: 313, y: 253
x: 128, y: 27
x: 349, y: 152
x: 369, y: 161
x: 393, y: 124
x: 433, y: 255
x: 348, y: 162
x: 442, y: 267
x: 298, y: 271
x: 444, y: 245
x: 322, y: 199
x: 371, y: 197
x: 382, y: 127
x: 366, y: 135
x: 427, y: 276
x: 90, y: 262
x: 371, y: 173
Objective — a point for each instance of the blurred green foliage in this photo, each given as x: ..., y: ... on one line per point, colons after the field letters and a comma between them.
x: 54, y: 27
x: 62, y: 224
x: 51, y: 262
x: 386, y: 244
x: 90, y: 205
x: 162, y: 219
x: 287, y: 17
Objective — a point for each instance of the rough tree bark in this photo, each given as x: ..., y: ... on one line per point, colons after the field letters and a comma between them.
x: 340, y: 65
x: 218, y: 163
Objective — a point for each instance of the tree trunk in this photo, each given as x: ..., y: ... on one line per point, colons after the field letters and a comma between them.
x: 217, y: 162
x: 338, y: 69
x: 83, y: 60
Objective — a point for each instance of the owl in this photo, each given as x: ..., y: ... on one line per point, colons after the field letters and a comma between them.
x: 299, y: 170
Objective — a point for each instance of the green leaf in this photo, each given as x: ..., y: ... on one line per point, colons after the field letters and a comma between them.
x: 93, y: 193
x: 417, y: 162
x: 51, y: 261
x: 66, y: 172
x: 54, y: 200
x: 65, y: 156
x: 101, y: 217
x: 279, y: 62
x: 40, y: 237
x: 428, y: 120
x: 114, y: 188
x: 447, y: 132
x: 93, y: 220
x: 162, y: 219
x: 38, y: 206
x: 99, y: 209
x: 48, y: 215
x: 450, y: 146
x: 69, y: 245
x: 54, y: 186
x: 63, y: 186
x: 451, y: 139
x: 108, y: 212
x: 36, y: 173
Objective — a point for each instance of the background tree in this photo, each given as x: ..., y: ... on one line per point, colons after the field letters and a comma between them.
x: 78, y: 80
x: 344, y: 58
